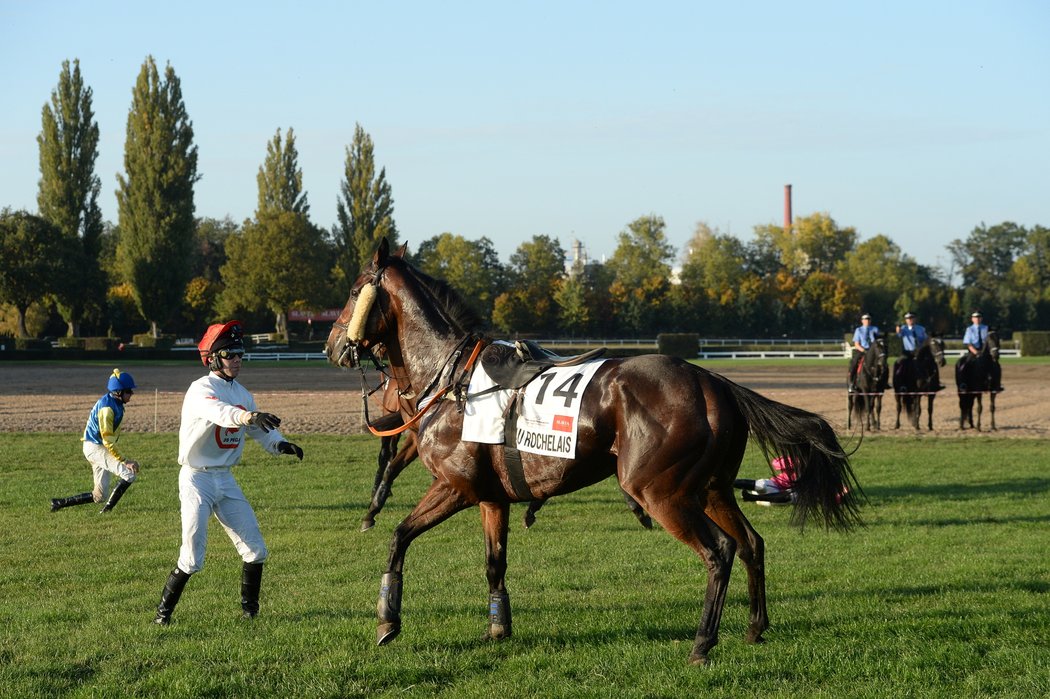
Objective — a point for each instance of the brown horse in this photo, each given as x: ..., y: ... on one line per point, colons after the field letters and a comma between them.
x: 392, y: 460
x: 672, y: 433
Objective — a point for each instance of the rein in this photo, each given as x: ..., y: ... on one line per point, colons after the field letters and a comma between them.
x: 432, y: 402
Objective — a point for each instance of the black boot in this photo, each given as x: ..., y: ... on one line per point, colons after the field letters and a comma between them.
x: 170, y: 597
x: 82, y: 499
x: 251, y: 581
x: 115, y: 496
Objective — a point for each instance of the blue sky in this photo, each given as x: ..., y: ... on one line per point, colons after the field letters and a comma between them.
x: 917, y: 120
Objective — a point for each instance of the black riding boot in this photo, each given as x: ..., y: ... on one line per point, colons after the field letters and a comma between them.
x: 251, y: 581
x: 170, y: 597
x: 82, y: 499
x: 115, y: 496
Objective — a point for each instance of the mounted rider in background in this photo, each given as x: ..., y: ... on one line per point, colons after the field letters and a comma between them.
x: 863, y: 336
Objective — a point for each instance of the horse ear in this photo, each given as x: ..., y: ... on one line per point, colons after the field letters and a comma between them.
x: 400, y: 252
x: 382, y: 252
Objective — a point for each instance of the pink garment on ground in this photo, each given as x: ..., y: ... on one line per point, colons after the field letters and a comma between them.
x: 785, y: 473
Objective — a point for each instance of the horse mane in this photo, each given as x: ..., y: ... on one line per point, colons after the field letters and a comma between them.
x: 450, y: 302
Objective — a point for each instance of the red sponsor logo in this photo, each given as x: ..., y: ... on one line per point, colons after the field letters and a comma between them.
x: 228, y: 437
x: 562, y: 423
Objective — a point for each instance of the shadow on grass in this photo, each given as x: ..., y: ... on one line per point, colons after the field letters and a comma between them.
x: 958, y: 491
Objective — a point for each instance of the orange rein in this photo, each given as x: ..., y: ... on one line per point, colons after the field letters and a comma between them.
x: 437, y: 397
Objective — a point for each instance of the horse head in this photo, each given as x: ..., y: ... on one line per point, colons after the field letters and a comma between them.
x: 991, y: 345
x: 878, y: 352
x: 936, y: 347
x: 363, y: 322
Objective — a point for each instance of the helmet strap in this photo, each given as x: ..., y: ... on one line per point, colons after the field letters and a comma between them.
x: 215, y: 365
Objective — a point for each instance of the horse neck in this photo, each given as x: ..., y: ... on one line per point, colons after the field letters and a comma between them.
x: 424, y: 341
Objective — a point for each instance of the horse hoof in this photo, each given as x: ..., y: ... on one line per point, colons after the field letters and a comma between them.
x: 646, y: 522
x: 496, y: 632
x: 386, y: 633
x: 755, y: 638
x: 367, y: 524
x: 698, y: 660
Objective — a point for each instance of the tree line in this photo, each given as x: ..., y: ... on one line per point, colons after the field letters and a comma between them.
x: 161, y: 268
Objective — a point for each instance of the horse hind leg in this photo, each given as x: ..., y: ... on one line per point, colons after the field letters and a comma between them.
x: 991, y: 409
x: 683, y: 518
x: 751, y: 550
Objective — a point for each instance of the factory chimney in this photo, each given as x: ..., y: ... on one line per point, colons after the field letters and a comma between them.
x: 787, y: 207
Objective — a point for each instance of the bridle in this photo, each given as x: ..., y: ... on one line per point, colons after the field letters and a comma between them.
x: 353, y: 331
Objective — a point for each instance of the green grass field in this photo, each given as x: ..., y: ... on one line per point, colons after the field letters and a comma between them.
x: 943, y: 594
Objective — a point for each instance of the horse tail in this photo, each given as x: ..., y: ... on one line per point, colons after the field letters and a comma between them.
x: 825, y: 485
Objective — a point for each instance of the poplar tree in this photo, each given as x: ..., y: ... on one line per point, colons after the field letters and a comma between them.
x: 279, y: 260
x: 155, y: 196
x: 280, y: 179
x: 67, y: 194
x: 365, y: 208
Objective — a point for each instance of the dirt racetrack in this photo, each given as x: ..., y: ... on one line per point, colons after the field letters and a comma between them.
x: 53, y: 397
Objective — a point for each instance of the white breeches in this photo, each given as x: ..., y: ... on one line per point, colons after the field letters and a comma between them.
x: 102, y: 464
x: 206, y: 492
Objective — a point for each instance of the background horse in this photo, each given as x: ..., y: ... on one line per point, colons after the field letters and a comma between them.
x: 872, y: 380
x: 918, y: 376
x: 672, y: 433
x: 976, y: 375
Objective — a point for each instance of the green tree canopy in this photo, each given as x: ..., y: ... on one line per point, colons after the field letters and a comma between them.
x: 472, y: 267
x: 280, y: 261
x: 155, y: 196
x: 814, y: 243
x: 35, y: 259
x: 641, y: 269
x: 536, y: 271
x: 985, y: 260
x: 882, y: 273
x: 365, y: 208
x: 276, y: 263
x: 67, y: 194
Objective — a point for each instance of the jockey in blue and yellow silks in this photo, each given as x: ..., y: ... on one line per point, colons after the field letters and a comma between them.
x: 100, y: 446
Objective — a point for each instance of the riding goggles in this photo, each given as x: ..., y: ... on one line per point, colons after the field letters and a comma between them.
x: 230, y: 353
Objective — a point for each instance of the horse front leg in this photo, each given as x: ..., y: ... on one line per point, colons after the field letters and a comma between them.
x: 495, y: 520
x: 899, y: 400
x: 438, y: 504
x: 644, y: 519
x: 929, y: 412
x: 979, y: 400
x: 991, y: 409
x: 393, y: 469
x: 530, y: 512
x: 387, y: 449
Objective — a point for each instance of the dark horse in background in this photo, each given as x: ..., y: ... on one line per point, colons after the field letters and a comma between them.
x: 976, y: 375
x: 917, y: 376
x: 672, y: 433
x: 872, y: 380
